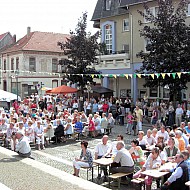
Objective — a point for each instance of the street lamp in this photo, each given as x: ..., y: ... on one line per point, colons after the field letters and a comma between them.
x: 16, y: 75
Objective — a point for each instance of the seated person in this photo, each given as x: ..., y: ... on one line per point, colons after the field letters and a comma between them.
x: 171, y: 150
x: 85, y: 159
x: 137, y: 153
x: 23, y: 146
x: 179, y: 175
x: 78, y: 125
x: 11, y: 131
x: 142, y: 141
x: 152, y: 162
x: 30, y: 132
x: 187, y: 160
x: 97, y: 123
x: 113, y: 148
x: 59, y: 132
x: 39, y: 135
x: 149, y: 138
x: 69, y: 127
x: 123, y: 162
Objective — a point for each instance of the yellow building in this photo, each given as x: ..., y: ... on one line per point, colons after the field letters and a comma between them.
x: 118, y: 22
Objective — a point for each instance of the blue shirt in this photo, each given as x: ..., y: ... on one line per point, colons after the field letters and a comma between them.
x: 95, y: 108
x: 79, y: 126
x: 187, y: 129
x: 188, y: 165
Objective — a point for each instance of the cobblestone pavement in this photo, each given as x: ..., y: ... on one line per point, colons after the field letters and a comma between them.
x: 61, y: 156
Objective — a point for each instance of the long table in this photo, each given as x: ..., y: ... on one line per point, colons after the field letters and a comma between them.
x: 103, y: 162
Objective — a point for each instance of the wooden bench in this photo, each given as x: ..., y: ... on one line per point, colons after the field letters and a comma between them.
x: 140, y: 182
x: 90, y: 169
x: 118, y: 177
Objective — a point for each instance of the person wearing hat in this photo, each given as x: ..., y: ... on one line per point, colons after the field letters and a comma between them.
x: 22, y: 147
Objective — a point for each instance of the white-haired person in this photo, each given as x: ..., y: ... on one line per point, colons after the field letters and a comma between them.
x: 23, y: 146
x: 85, y: 159
x: 39, y: 135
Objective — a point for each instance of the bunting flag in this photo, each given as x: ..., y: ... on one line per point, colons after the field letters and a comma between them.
x: 131, y: 75
x: 173, y: 75
x: 163, y: 75
x: 152, y: 75
x: 134, y: 75
x: 127, y: 76
x: 179, y: 75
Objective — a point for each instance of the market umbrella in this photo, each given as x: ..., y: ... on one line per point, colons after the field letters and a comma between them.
x: 62, y: 90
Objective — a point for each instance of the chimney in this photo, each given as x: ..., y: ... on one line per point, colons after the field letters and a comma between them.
x: 28, y: 31
x: 14, y: 38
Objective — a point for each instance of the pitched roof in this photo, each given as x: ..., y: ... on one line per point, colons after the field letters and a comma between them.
x: 132, y: 2
x: 39, y: 41
x: 101, y: 12
x: 3, y: 35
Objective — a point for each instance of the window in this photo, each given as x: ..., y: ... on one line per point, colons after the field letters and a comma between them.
x: 108, y: 5
x: 54, y: 65
x: 126, y: 48
x: 153, y: 92
x: 17, y: 63
x: 153, y: 11
x: 12, y: 65
x: 126, y: 25
x: 4, y: 65
x: 147, y: 42
x: 108, y: 38
x: 188, y: 10
x: 32, y: 64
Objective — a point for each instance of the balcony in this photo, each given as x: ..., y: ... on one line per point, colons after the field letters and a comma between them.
x: 114, y: 60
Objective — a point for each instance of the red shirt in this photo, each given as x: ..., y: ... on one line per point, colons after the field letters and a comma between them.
x: 105, y: 108
x: 91, y: 126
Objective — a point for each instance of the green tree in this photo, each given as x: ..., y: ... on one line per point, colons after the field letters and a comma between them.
x: 81, y: 49
x: 168, y: 50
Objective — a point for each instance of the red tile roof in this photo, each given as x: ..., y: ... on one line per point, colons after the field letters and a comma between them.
x: 39, y: 41
x: 3, y: 35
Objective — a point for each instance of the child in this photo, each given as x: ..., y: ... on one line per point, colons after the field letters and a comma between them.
x: 134, y: 122
x: 129, y: 119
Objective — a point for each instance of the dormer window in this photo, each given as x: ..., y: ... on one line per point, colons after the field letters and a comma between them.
x: 108, y: 5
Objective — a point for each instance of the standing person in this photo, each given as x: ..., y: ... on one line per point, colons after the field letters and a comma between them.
x: 171, y: 114
x: 179, y: 175
x: 85, y: 159
x: 129, y: 119
x: 135, y: 123
x: 139, y: 114
x: 178, y: 115
x: 94, y: 107
x: 154, y: 118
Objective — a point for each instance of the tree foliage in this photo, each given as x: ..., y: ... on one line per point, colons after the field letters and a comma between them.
x: 81, y: 49
x: 168, y: 50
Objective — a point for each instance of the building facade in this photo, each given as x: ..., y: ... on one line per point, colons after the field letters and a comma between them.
x: 118, y: 22
x: 32, y: 62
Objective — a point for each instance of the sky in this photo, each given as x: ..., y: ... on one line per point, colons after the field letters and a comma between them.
x: 58, y: 16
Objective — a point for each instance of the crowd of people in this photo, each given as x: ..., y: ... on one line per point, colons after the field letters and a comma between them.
x: 39, y: 119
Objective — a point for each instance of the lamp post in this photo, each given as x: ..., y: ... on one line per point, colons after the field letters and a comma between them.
x: 17, y: 72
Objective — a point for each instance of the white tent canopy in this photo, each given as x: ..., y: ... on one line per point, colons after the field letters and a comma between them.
x: 7, y: 96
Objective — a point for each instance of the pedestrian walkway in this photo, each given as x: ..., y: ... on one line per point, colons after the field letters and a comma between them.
x: 21, y: 174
